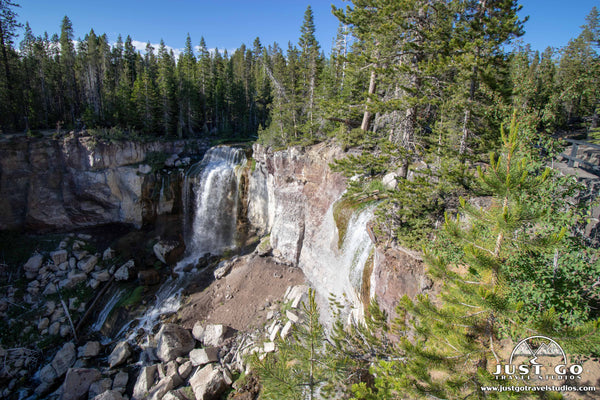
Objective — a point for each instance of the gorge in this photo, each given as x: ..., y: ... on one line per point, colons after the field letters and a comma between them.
x: 200, y: 205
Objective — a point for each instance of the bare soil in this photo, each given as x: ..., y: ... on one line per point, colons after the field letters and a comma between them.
x: 243, y: 297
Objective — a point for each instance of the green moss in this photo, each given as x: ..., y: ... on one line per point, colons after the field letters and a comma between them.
x: 342, y: 212
x: 134, y: 298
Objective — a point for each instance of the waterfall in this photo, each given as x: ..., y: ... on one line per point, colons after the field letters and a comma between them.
x: 338, y: 272
x: 211, y: 190
x: 210, y: 205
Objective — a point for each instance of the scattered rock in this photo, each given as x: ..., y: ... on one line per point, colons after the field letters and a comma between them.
x: 77, y: 383
x: 48, y: 374
x: 149, y: 277
x: 87, y: 264
x: 50, y: 289
x: 54, y: 329
x: 109, y: 395
x: 102, y: 276
x: 167, y: 251
x: 108, y: 254
x: 224, y: 267
x: 163, y: 386
x: 204, y: 356
x: 215, y: 334
x: 59, y: 256
x: 173, y: 341
x: 120, y: 382
x: 185, y: 369
x: 286, y: 329
x: 292, y: 317
x: 269, y: 347
x: 198, y: 331
x: 43, y: 324
x: 32, y: 266
x: 79, y: 254
x: 73, y: 278
x: 119, y: 355
x: 144, y: 382
x: 264, y: 248
x: 64, y: 359
x: 65, y: 330
x: 207, y: 383
x: 122, y: 274
x: 389, y: 180
x: 88, y: 350
x: 99, y: 387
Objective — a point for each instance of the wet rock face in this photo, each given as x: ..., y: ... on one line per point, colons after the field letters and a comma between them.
x: 75, y: 182
x: 289, y: 194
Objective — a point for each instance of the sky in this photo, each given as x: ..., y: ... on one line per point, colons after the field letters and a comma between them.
x: 227, y: 24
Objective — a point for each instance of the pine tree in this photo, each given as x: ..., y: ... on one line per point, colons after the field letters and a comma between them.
x: 67, y: 63
x: 8, y: 26
x: 305, y: 365
x: 450, y: 344
x: 166, y: 90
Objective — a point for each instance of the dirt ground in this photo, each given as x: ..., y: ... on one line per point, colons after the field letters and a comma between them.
x: 243, y: 297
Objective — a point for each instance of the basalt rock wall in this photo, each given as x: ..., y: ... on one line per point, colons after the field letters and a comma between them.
x: 72, y: 182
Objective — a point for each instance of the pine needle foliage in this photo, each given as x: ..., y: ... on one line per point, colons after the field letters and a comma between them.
x: 448, y: 346
x: 305, y: 365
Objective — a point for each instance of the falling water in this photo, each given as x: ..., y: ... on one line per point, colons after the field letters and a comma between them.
x: 338, y: 272
x: 108, y: 307
x: 211, y: 190
x: 210, y: 197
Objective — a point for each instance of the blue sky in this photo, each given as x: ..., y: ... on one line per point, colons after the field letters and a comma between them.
x: 228, y: 23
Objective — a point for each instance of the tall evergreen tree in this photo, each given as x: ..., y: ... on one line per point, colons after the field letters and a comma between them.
x: 8, y: 27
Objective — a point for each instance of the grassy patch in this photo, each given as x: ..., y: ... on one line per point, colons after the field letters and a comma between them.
x: 134, y: 298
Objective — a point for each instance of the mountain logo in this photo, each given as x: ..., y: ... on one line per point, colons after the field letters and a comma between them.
x: 538, y: 357
x: 538, y: 346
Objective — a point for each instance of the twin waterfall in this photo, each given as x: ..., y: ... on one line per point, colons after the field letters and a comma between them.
x: 211, y: 202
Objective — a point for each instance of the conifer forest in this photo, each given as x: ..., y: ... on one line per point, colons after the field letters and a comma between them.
x: 434, y: 104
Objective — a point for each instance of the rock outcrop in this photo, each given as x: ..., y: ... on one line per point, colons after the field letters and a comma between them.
x: 76, y: 181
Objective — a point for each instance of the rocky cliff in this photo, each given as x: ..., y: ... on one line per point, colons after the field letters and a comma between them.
x: 74, y: 182
x: 291, y: 195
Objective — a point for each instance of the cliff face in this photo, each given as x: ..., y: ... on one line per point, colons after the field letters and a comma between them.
x: 74, y: 182
x: 290, y: 196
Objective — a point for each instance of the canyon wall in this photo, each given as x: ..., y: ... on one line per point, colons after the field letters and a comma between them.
x: 291, y: 194
x: 71, y: 182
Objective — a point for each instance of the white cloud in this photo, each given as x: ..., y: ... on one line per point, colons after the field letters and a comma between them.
x: 141, y: 46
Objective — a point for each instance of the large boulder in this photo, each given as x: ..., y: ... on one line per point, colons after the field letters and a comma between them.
x: 32, y: 266
x: 77, y: 383
x: 122, y: 274
x: 59, y: 256
x: 204, y: 356
x: 208, y: 383
x: 64, y: 359
x: 87, y: 264
x: 168, y: 251
x: 109, y: 395
x: 215, y: 335
x: 173, y: 341
x: 144, y: 382
x: 120, y: 354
